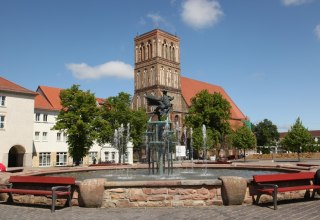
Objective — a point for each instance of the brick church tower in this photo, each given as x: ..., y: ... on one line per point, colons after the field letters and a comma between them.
x: 157, y: 67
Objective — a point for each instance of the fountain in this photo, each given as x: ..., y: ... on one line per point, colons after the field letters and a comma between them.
x: 121, y: 138
x: 159, y: 142
x: 150, y: 187
x: 204, y: 138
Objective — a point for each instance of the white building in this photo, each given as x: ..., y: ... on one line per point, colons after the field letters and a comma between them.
x: 50, y: 146
x: 16, y: 124
x: 26, y: 135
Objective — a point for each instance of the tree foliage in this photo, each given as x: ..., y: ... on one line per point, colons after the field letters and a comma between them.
x: 243, y: 139
x: 211, y: 140
x: 117, y: 111
x: 77, y: 118
x: 213, y: 111
x: 298, y: 138
x: 266, y: 134
x: 84, y: 122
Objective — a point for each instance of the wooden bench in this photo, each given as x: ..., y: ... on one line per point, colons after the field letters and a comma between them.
x: 56, y: 187
x: 272, y: 184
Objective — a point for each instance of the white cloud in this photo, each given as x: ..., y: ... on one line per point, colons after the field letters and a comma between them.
x: 201, y: 13
x: 117, y: 69
x: 295, y: 2
x: 160, y: 22
x: 156, y: 19
x: 317, y: 31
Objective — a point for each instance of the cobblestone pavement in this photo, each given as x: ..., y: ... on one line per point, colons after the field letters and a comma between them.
x: 291, y: 209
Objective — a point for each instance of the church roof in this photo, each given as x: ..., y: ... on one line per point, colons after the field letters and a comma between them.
x: 8, y: 86
x: 190, y: 87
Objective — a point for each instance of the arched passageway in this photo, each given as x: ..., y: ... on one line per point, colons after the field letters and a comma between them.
x: 16, y: 155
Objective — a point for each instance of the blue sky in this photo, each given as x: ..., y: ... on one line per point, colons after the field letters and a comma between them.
x: 265, y: 54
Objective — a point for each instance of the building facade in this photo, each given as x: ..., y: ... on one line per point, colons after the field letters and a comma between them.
x: 26, y: 134
x: 50, y: 146
x: 16, y: 124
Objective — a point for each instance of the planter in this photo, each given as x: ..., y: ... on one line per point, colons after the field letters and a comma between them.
x: 233, y: 190
x: 91, y: 193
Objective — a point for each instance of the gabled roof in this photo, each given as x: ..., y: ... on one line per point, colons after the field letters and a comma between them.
x: 8, y: 86
x: 52, y: 95
x: 48, y: 98
x: 41, y: 102
x: 191, y: 87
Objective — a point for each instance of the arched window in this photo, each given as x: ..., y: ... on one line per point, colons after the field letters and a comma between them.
x: 145, y: 78
x: 136, y: 54
x: 169, y: 77
x: 173, y: 54
x: 152, y: 76
x: 138, y: 102
x: 138, y: 84
x: 140, y: 54
x: 161, y: 75
x: 149, y: 49
x: 143, y: 52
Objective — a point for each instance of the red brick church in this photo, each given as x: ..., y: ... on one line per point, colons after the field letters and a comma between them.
x: 157, y: 67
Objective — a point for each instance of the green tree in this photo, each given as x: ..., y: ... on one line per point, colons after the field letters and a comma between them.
x: 267, y: 135
x: 243, y: 138
x: 213, y: 111
x: 77, y: 118
x: 139, y: 126
x: 117, y: 111
x: 211, y: 140
x: 298, y: 138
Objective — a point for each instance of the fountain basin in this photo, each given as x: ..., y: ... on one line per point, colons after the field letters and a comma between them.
x: 167, y: 190
x: 131, y: 174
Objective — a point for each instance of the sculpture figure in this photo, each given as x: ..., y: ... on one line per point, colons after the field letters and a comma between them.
x: 163, y: 103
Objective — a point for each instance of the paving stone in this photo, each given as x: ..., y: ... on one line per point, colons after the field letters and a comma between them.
x: 291, y: 209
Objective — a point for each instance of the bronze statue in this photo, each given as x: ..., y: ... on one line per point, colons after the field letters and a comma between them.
x: 163, y: 104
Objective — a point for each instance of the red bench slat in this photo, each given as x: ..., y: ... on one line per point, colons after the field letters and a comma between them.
x: 284, y: 182
x: 40, y: 185
x: 34, y: 192
x: 289, y: 189
x: 283, y: 177
x: 43, y: 180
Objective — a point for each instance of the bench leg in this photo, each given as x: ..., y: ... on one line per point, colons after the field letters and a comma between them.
x: 257, y: 199
x: 54, y: 198
x: 313, y: 193
x: 307, y: 194
x: 68, y: 202
x: 275, y: 199
x: 10, y: 198
x: 253, y: 199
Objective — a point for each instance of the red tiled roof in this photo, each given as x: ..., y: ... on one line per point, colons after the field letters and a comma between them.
x: 52, y: 95
x: 41, y: 102
x: 314, y: 133
x: 100, y: 101
x: 8, y: 86
x: 49, y: 98
x: 191, y: 87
